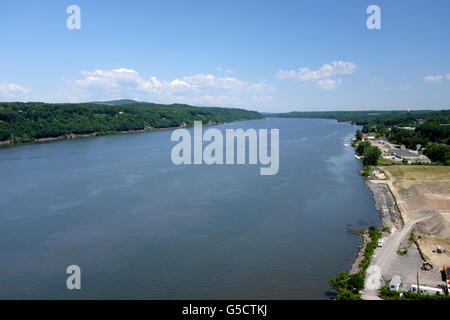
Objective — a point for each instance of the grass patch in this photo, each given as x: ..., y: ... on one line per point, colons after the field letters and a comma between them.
x: 387, y: 162
x: 411, y: 237
x: 406, y: 176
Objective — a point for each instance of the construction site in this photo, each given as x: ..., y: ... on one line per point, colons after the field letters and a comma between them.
x: 414, y: 205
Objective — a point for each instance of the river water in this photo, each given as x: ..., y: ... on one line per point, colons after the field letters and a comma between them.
x: 140, y: 227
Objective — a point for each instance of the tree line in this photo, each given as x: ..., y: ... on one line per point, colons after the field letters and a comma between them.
x: 27, y: 122
x: 427, y: 128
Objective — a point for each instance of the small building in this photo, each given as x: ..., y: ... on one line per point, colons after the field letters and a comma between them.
x: 395, y: 283
x: 403, y: 154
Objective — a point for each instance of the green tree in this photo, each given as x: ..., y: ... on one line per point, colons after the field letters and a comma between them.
x: 347, y: 285
x: 348, y: 295
x: 358, y: 135
x: 361, y: 147
x: 440, y: 153
x: 356, y: 281
x: 340, y: 282
x: 371, y: 155
x: 26, y: 122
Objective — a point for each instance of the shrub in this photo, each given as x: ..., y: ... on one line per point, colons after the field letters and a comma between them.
x: 365, y: 172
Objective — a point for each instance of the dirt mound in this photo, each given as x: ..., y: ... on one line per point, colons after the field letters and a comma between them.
x: 437, y: 225
x: 433, y: 201
x: 428, y: 199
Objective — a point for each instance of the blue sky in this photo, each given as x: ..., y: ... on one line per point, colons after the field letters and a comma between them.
x: 270, y: 56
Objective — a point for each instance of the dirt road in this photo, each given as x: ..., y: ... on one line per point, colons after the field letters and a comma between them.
x: 383, y: 256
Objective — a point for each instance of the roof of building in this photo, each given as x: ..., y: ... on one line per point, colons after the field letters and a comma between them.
x: 403, y: 153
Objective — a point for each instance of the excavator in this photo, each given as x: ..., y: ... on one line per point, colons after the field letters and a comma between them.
x: 426, y: 266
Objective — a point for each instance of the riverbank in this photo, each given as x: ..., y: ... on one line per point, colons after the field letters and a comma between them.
x: 360, y: 255
x: 386, y: 206
x: 72, y: 136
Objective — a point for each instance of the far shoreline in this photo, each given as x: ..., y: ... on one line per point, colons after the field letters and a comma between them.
x: 68, y: 137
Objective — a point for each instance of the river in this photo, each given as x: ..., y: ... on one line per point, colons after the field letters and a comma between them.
x: 140, y: 227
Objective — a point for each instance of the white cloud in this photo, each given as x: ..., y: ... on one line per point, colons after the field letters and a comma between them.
x: 130, y: 79
x: 328, y: 84
x: 447, y: 76
x: 199, y: 88
x: 262, y: 86
x: 262, y: 99
x: 201, y: 81
x: 220, y: 69
x: 326, y: 71
x: 322, y: 75
x: 433, y: 79
x: 9, y: 90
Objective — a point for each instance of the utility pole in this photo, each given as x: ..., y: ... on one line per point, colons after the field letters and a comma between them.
x: 418, y: 288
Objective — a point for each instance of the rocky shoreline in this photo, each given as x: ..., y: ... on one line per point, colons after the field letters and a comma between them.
x: 389, y: 214
x: 386, y: 206
x: 355, y: 266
